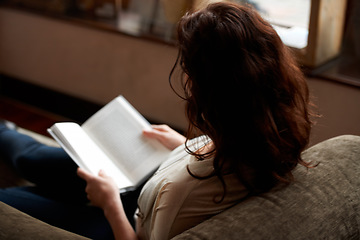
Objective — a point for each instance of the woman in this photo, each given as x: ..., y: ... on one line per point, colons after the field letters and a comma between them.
x: 246, y: 95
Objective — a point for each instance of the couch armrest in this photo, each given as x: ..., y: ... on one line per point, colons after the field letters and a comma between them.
x: 18, y: 225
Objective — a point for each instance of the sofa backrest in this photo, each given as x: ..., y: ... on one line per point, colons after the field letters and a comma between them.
x: 322, y: 202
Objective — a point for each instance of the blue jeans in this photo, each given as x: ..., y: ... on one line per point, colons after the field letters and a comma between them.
x: 58, y: 197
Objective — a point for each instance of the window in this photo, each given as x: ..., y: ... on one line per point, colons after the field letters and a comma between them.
x: 290, y: 19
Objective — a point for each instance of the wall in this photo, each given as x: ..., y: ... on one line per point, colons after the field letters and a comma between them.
x: 90, y: 64
x: 338, y: 106
x: 98, y: 65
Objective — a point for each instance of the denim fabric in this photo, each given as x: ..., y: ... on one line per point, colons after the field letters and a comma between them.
x: 58, y: 197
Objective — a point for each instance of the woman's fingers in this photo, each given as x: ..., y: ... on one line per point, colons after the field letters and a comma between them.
x: 165, y: 135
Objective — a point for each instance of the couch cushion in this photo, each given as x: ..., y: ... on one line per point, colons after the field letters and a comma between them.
x: 322, y: 203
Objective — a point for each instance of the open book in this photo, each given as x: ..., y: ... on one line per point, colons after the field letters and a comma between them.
x: 112, y: 140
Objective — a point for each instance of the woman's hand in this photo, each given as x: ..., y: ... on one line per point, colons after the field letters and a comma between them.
x: 166, y: 136
x: 101, y: 190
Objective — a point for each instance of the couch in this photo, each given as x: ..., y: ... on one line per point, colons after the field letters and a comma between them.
x: 322, y: 203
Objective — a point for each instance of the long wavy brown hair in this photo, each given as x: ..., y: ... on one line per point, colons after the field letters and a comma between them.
x: 245, y: 91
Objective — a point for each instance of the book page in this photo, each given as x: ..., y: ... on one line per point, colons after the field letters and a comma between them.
x: 117, y: 130
x: 80, y: 147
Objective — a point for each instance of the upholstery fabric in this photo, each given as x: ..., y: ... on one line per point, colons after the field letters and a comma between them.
x: 322, y: 203
x: 17, y: 225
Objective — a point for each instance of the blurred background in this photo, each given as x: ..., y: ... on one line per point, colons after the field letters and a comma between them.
x: 64, y: 59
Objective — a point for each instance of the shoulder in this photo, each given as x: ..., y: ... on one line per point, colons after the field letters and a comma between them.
x: 173, y: 200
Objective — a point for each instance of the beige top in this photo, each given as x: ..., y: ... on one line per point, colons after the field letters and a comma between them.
x: 173, y: 201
